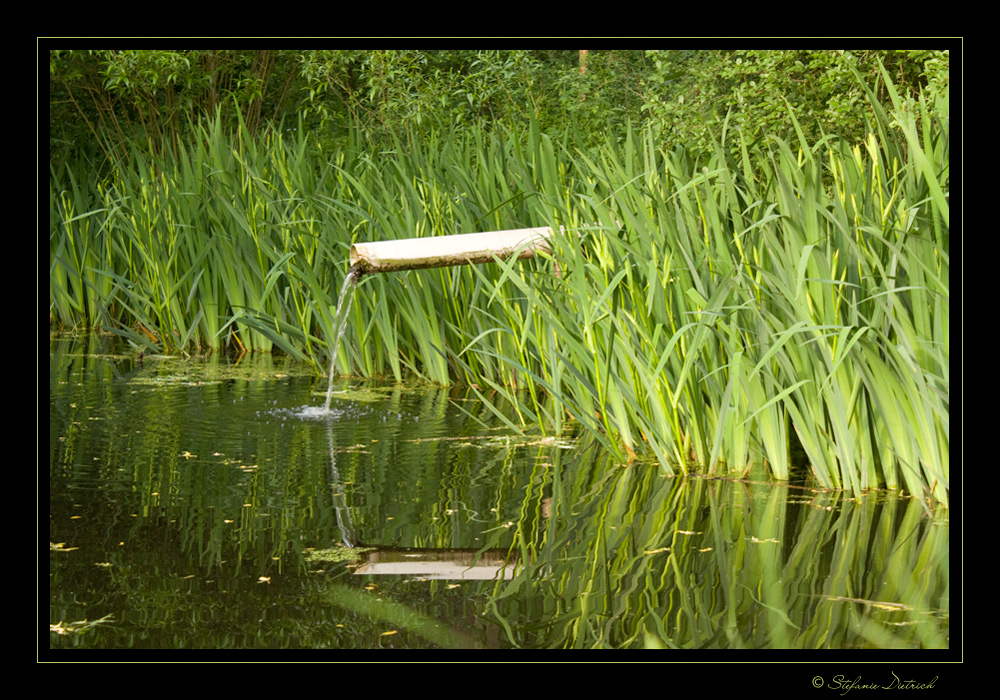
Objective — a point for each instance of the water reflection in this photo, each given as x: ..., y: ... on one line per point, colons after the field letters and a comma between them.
x: 449, y: 564
x: 186, y: 500
x: 641, y: 560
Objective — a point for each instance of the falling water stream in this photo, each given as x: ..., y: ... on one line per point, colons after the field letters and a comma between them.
x: 340, y: 324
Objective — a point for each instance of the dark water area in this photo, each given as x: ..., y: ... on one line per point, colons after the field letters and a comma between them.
x: 204, y: 504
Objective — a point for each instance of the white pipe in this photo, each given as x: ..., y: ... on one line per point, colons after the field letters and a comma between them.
x: 441, y: 251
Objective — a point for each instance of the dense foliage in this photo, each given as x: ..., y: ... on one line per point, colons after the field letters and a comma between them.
x: 104, y: 100
x: 736, y: 273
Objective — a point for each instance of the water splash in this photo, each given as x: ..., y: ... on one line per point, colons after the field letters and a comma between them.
x: 307, y: 412
x: 340, y: 324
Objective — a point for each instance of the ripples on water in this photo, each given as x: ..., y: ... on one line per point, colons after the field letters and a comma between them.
x: 348, y: 411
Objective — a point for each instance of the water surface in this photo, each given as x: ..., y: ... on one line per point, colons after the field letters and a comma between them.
x: 208, y: 504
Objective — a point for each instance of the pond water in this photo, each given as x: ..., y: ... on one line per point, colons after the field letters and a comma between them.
x: 206, y: 504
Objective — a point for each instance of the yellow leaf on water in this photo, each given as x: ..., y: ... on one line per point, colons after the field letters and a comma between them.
x: 386, y: 634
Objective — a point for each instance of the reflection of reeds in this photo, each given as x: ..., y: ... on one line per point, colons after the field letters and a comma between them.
x: 649, y: 561
x: 704, y: 312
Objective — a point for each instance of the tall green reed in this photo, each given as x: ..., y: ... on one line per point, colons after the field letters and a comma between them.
x: 717, y: 312
x: 707, y: 313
